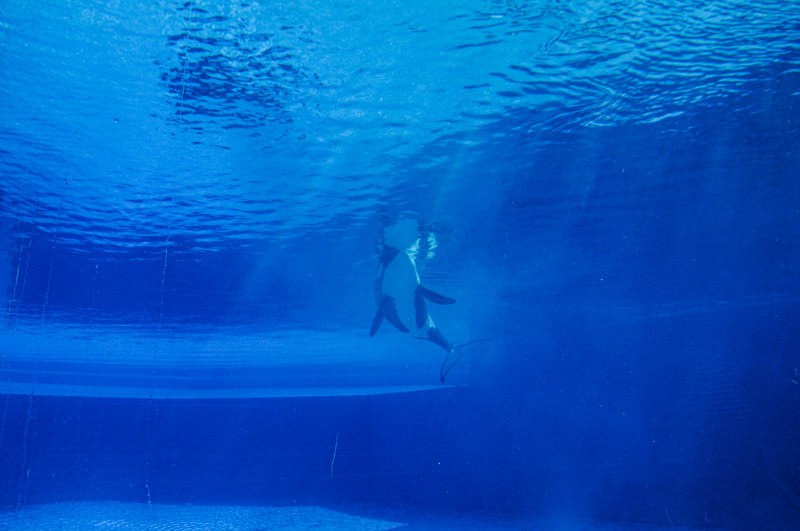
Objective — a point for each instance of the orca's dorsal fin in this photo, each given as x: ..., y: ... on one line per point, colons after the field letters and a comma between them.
x: 387, y: 310
x: 433, y: 296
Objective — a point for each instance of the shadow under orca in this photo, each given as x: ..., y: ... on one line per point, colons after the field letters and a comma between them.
x: 401, y: 300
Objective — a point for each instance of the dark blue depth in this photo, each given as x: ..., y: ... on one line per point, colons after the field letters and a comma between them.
x: 629, y: 239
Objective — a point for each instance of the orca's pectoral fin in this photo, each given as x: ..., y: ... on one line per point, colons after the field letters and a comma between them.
x: 434, y: 297
x: 376, y: 322
x: 420, y: 310
x: 455, y: 354
x: 387, y: 310
x: 395, y: 320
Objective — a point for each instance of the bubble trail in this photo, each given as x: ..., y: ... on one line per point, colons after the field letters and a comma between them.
x: 335, y: 447
x: 25, y: 469
x: 148, y: 426
x: 16, y: 314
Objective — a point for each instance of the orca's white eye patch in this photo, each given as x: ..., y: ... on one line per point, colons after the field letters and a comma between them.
x: 413, y: 249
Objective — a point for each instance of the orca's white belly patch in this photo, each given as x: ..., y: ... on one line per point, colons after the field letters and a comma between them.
x: 400, y: 282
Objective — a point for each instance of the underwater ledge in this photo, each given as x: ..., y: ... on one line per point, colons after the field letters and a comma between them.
x: 161, y: 393
x: 123, y: 515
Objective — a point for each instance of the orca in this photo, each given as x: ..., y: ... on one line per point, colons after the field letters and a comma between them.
x: 401, y: 299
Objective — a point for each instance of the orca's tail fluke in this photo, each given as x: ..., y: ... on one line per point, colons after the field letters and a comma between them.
x: 454, y: 354
x: 452, y: 358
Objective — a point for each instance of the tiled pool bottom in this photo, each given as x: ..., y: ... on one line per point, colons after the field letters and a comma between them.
x: 137, y: 516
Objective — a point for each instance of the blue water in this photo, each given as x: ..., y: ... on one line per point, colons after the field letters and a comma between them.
x: 193, y: 198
